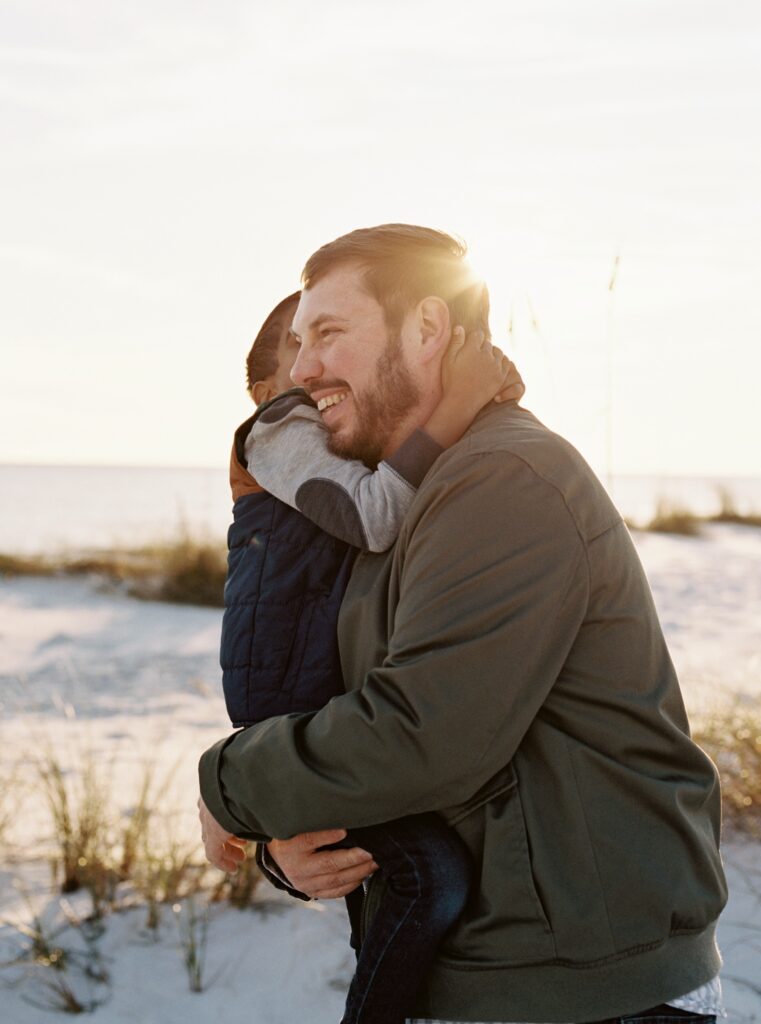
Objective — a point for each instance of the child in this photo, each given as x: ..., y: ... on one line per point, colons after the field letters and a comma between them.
x: 301, y: 515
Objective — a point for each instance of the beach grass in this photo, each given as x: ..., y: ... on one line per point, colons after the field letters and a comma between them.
x: 190, y: 569
x: 193, y: 927
x: 169, y: 869
x: 239, y: 889
x: 671, y: 517
x: 26, y: 565
x: 59, y: 958
x: 96, y: 846
x: 79, y: 805
x: 137, y: 852
x: 732, y: 739
x: 136, y: 858
x: 729, y: 513
x: 186, y: 570
x: 10, y: 795
x: 675, y: 517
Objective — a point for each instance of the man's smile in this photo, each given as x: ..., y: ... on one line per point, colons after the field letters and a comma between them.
x: 328, y: 400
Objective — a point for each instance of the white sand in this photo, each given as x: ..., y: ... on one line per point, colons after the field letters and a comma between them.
x: 133, y: 681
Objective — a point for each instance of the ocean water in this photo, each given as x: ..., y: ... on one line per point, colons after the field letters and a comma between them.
x: 45, y: 509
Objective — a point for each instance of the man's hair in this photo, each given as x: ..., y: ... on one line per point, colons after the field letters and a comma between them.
x: 262, y: 361
x: 402, y: 265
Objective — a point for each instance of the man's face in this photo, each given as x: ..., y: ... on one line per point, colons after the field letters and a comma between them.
x: 355, y: 371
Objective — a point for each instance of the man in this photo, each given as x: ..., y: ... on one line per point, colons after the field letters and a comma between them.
x: 505, y: 667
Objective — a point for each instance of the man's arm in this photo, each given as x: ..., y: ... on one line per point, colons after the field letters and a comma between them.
x: 493, y: 589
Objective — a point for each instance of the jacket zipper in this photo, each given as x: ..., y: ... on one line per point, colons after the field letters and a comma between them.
x: 373, y: 895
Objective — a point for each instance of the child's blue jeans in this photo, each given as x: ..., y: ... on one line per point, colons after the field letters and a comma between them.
x: 427, y: 872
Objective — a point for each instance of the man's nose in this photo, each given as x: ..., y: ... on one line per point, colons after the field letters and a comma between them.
x: 307, y: 367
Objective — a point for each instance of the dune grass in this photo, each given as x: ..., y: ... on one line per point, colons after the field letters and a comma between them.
x: 191, y: 570
x: 732, y: 739
x: 676, y: 518
x: 187, y: 570
x: 123, y: 858
x: 134, y: 857
x: 11, y: 792
x: 79, y: 805
x: 98, y: 844
x: 23, y: 565
x: 103, y: 848
x: 671, y: 517
x: 239, y: 889
x: 193, y: 927
x: 728, y: 512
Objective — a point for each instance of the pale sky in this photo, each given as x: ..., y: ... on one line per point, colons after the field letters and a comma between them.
x: 168, y: 166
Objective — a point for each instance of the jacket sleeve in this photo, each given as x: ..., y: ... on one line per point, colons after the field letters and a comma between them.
x: 287, y: 452
x: 493, y: 586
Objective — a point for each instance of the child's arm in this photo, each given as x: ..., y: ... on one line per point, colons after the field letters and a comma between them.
x: 287, y: 451
x: 472, y: 374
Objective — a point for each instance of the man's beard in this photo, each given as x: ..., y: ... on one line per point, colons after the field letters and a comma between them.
x: 380, y: 409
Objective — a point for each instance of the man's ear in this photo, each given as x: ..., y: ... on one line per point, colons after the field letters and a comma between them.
x: 435, y: 327
x: 262, y: 391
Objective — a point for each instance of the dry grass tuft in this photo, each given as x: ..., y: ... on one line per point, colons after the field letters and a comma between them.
x: 21, y: 565
x: 42, y: 948
x: 96, y: 850
x: 167, y: 870
x: 728, y: 512
x: 136, y: 825
x: 674, y: 518
x: 187, y: 570
x: 79, y: 806
x: 10, y: 794
x: 193, y: 925
x: 732, y: 740
x: 51, y: 966
x: 239, y: 888
x: 60, y: 997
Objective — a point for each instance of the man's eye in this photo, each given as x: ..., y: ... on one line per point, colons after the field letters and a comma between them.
x: 329, y: 330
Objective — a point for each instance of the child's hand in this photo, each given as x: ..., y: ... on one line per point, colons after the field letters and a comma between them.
x: 514, y: 388
x: 473, y: 371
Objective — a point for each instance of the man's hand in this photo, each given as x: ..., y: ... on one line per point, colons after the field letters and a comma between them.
x: 323, y: 874
x: 224, y: 850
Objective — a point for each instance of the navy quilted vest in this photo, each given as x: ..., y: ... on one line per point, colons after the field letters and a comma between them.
x: 286, y: 579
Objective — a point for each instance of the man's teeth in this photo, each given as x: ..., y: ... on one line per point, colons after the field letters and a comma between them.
x: 325, y: 403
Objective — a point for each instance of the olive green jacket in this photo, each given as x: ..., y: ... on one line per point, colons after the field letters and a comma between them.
x: 505, y: 666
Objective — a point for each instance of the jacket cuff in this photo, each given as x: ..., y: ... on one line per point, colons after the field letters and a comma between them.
x: 273, y: 874
x: 210, y: 784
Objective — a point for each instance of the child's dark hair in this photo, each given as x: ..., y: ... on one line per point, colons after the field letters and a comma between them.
x: 262, y: 361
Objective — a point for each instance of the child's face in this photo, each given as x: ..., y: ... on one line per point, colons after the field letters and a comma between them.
x: 287, y: 350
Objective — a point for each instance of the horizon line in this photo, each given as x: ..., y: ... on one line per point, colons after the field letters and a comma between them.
x: 707, y: 475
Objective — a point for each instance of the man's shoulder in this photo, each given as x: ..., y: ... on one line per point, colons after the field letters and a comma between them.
x: 511, y: 429
x: 507, y: 445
